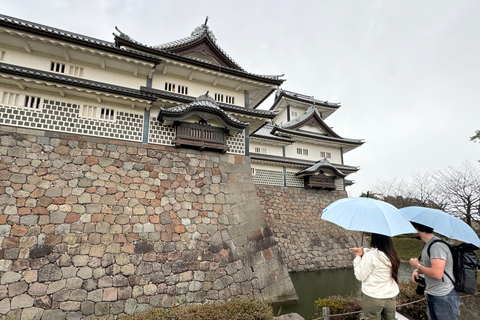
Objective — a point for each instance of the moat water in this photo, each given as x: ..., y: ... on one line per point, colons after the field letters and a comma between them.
x: 313, y: 285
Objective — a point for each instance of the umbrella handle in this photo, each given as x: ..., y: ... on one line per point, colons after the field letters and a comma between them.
x: 362, y: 240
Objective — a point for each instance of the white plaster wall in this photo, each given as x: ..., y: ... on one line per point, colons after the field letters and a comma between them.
x: 42, y: 61
x: 313, y: 152
x: 196, y: 89
x: 281, y: 117
x: 313, y: 129
x: 271, y: 150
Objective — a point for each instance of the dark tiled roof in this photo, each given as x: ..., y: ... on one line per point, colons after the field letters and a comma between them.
x: 265, y: 133
x: 73, y: 81
x: 303, y: 98
x: 275, y: 79
x: 311, y: 111
x: 318, y: 136
x: 295, y: 161
x: 227, y: 107
x: 199, y: 32
x: 36, y: 28
x: 206, y: 103
x: 323, y: 163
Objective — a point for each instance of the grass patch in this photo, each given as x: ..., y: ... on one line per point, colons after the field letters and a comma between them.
x: 408, y: 247
x: 234, y: 309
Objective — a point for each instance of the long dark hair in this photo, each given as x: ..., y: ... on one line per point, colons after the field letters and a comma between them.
x: 385, y: 244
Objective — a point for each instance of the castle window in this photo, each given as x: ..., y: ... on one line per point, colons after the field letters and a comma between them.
x: 107, y: 114
x: 229, y: 99
x: 182, y: 89
x: 169, y: 86
x: 10, y: 98
x: 260, y: 150
x: 218, y: 97
x: 324, y: 154
x: 302, y: 151
x: 253, y: 171
x: 293, y: 113
x: 76, y: 71
x: 98, y: 113
x: 2, y: 55
x: 57, y: 67
x: 32, y: 102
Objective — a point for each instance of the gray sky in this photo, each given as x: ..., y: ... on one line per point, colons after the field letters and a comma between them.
x: 407, y: 73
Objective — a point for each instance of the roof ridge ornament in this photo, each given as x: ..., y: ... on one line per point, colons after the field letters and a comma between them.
x: 203, y: 28
x: 123, y: 35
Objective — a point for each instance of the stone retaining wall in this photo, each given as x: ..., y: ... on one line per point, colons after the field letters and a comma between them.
x: 93, y: 226
x: 306, y: 241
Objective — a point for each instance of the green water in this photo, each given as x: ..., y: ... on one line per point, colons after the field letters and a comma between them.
x: 312, y: 285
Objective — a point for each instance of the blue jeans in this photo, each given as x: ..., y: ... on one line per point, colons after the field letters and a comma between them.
x: 444, y: 307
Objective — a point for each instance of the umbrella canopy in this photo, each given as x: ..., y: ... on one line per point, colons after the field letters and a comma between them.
x: 368, y: 215
x: 442, y: 223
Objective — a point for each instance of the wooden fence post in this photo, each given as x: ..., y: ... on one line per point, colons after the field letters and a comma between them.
x: 326, y: 313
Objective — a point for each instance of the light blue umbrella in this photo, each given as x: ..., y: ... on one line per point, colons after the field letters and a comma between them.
x: 442, y: 223
x: 367, y: 215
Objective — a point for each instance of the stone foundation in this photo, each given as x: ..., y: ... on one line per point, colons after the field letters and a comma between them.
x: 307, y: 242
x: 92, y: 226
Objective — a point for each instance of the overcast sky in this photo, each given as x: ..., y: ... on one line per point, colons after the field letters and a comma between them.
x: 407, y: 73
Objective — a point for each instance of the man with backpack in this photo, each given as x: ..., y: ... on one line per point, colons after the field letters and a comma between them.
x: 437, y: 261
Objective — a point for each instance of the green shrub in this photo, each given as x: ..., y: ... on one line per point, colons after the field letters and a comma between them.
x: 235, y: 309
x: 339, y: 305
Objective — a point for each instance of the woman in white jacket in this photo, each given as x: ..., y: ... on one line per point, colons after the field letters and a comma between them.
x: 377, y: 268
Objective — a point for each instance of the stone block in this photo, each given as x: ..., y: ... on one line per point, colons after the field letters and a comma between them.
x: 102, y: 308
x: 17, y: 288
x: 10, y: 277
x: 4, y: 306
x: 50, y: 272
x: 21, y: 301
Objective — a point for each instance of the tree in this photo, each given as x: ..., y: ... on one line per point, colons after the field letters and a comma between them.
x: 421, y: 191
x: 476, y: 137
x: 461, y: 189
x: 453, y: 190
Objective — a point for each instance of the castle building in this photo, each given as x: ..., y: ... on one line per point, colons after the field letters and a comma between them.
x: 188, y: 92
x: 134, y: 176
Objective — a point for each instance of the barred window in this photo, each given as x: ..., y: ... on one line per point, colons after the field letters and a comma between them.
x: 76, y: 71
x: 218, y: 97
x: 2, y: 55
x: 324, y: 154
x: 107, y: 114
x: 57, y: 67
x: 229, y: 99
x: 10, y: 98
x: 98, y: 112
x: 182, y: 89
x: 32, y: 102
x: 260, y: 150
x: 169, y: 86
x: 302, y: 151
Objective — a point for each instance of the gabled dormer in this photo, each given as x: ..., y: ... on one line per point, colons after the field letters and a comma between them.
x: 290, y: 105
x: 310, y: 121
x: 201, y: 45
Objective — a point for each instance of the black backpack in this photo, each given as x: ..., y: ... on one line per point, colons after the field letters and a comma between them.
x: 465, y: 265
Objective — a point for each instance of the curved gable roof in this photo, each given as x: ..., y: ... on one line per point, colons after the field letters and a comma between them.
x: 322, y: 164
x: 310, y: 117
x: 206, y: 105
x: 202, y: 41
